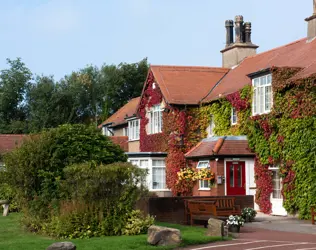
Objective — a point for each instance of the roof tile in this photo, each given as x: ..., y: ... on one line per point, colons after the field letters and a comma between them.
x: 299, y: 54
x: 184, y: 84
x: 118, y: 118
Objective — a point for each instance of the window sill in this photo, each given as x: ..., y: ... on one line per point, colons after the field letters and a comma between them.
x: 204, y: 189
x: 159, y: 190
x: 133, y: 140
x: 265, y: 113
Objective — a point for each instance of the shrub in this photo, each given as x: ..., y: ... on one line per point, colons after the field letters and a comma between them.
x: 35, y: 170
x: 7, y: 193
x: 99, y: 200
x: 248, y: 213
x: 137, y: 223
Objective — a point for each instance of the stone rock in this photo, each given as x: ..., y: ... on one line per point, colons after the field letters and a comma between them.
x: 62, y: 246
x: 163, y: 236
x: 215, y: 228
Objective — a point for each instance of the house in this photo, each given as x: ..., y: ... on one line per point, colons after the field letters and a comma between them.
x: 9, y: 142
x: 241, y: 121
x: 118, y: 126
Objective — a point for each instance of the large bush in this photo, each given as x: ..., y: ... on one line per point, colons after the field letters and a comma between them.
x: 99, y: 201
x: 35, y: 170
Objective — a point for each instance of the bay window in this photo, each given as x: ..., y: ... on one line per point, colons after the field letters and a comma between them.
x: 133, y: 130
x: 262, y: 94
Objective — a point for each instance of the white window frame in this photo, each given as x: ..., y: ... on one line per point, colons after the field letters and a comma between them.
x: 149, y: 177
x: 210, y: 128
x: 155, y: 119
x: 234, y: 117
x: 202, y: 182
x: 277, y: 169
x: 125, y: 131
x: 152, y: 175
x: 133, y: 130
x: 262, y: 100
x: 106, y: 131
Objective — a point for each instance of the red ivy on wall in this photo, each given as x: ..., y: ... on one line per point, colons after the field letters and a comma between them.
x: 263, y: 178
x: 151, y: 96
x: 238, y: 102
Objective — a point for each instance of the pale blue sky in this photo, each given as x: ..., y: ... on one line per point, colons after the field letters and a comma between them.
x: 55, y: 37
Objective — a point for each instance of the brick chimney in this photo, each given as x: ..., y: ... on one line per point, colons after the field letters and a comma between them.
x: 311, y: 26
x: 235, y: 52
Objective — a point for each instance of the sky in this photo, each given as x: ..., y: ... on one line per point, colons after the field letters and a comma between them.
x: 56, y: 37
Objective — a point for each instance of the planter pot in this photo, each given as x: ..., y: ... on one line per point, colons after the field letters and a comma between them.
x: 247, y: 219
x: 234, y: 229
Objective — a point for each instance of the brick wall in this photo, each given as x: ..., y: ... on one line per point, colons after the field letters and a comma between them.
x: 171, y: 209
x: 218, y: 189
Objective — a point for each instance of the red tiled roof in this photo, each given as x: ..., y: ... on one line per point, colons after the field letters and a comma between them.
x: 119, y: 116
x: 221, y: 146
x: 10, y: 142
x: 122, y: 141
x: 184, y: 84
x: 300, y: 54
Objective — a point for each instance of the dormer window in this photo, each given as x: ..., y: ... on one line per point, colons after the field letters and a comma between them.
x: 234, y: 116
x: 155, y: 120
x: 133, y: 130
x: 262, y: 95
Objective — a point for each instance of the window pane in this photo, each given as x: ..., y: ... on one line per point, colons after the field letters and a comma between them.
x: 269, y: 79
x: 158, y: 163
x: 204, y: 184
x: 276, y: 185
x: 231, y: 175
x: 203, y: 164
x: 239, y: 176
x: 143, y: 163
x: 134, y: 162
x: 268, y: 97
x: 255, y: 82
x: 159, y: 178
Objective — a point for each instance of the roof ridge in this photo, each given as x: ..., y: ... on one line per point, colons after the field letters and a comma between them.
x: 276, y: 48
x: 183, y: 66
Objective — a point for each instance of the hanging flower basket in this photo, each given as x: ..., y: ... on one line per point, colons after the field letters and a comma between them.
x: 207, y: 175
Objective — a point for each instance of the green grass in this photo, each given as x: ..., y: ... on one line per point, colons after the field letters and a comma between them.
x: 12, y: 237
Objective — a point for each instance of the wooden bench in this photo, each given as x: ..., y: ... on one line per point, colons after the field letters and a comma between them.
x: 201, y: 210
x: 313, y: 213
x: 224, y: 206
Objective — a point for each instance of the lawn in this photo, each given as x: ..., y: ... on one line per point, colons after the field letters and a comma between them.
x: 12, y: 237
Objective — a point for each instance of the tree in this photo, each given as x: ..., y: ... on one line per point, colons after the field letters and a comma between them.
x: 13, y: 85
x: 120, y: 84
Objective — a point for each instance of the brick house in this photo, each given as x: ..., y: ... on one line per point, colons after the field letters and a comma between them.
x: 8, y: 143
x: 171, y: 91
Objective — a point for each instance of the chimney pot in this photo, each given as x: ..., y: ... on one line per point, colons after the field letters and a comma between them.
x: 239, y: 20
x: 311, y: 27
x: 229, y: 24
x: 248, y: 32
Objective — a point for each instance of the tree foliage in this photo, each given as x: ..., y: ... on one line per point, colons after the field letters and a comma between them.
x: 86, y: 96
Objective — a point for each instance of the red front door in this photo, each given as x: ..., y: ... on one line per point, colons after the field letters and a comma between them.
x: 235, y: 178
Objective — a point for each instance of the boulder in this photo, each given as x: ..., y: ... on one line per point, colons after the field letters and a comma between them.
x: 163, y: 236
x: 215, y: 228
x: 62, y: 246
